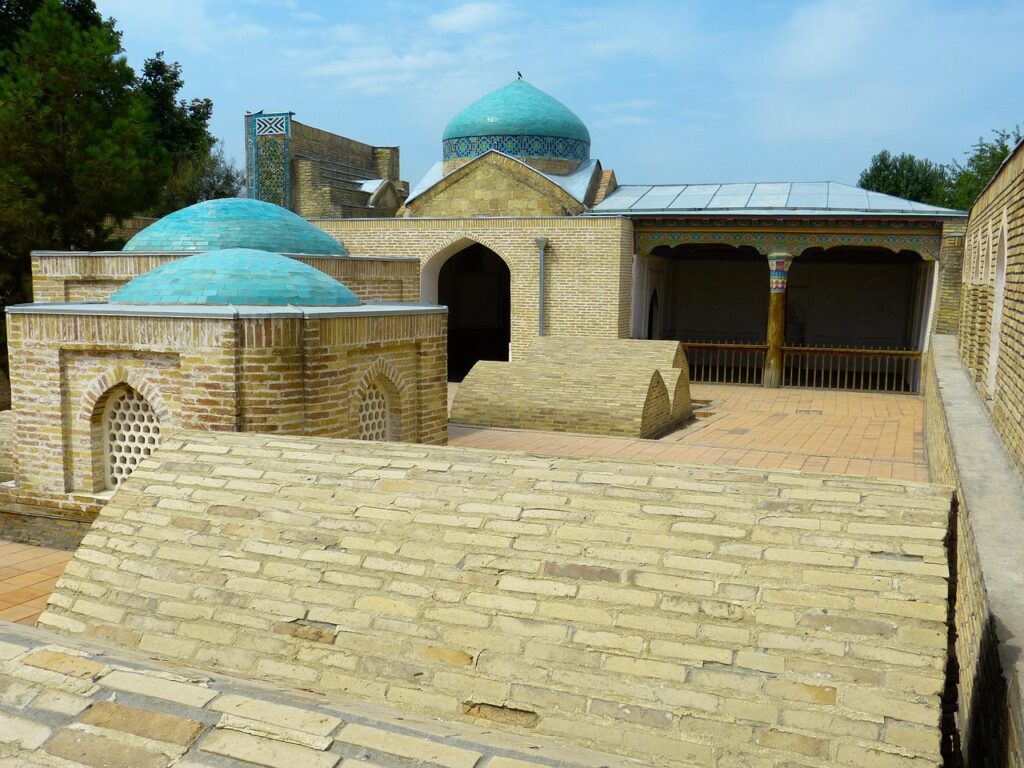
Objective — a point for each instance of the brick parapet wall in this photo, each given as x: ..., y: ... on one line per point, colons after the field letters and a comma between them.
x: 588, y: 264
x: 990, y: 691
x: 94, y: 276
x: 999, y: 209
x: 686, y: 616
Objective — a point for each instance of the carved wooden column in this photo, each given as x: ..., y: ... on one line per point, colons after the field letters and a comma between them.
x: 778, y: 265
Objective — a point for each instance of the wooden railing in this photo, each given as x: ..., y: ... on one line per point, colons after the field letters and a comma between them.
x: 725, y: 362
x: 873, y: 370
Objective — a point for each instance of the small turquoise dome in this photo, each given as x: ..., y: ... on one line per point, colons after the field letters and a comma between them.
x: 234, y: 222
x: 240, y: 276
x: 519, y: 120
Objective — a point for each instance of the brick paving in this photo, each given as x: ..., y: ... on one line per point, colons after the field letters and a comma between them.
x: 68, y: 703
x: 27, y: 576
x: 845, y: 433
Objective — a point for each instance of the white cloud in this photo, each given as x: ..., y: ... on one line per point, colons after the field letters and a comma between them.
x: 468, y: 17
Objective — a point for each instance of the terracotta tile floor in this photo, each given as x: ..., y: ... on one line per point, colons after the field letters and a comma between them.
x: 846, y: 433
x: 27, y: 576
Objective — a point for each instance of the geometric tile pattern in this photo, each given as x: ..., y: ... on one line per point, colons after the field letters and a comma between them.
x: 374, y: 416
x: 131, y: 433
x: 234, y: 222
x: 268, y: 158
x: 552, y: 147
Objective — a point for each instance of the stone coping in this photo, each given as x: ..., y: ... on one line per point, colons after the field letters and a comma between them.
x: 65, y: 700
x: 994, y: 495
x: 182, y: 254
x: 381, y: 309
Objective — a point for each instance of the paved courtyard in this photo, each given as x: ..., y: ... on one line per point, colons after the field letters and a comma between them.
x: 27, y: 576
x: 846, y: 433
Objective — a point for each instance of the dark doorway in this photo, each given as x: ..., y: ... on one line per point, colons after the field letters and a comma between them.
x: 475, y: 285
x: 652, y: 317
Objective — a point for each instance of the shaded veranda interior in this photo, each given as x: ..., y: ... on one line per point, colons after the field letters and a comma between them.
x: 846, y: 317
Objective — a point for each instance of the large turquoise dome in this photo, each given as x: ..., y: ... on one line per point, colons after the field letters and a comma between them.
x: 240, y: 276
x: 518, y: 120
x: 234, y: 222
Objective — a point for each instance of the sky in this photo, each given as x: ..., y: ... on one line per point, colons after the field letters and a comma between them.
x: 672, y: 92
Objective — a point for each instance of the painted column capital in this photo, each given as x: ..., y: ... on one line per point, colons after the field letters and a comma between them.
x: 778, y: 266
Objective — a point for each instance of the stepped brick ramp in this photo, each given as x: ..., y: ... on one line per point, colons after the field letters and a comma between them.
x: 552, y: 396
x: 689, y: 616
x: 69, y: 703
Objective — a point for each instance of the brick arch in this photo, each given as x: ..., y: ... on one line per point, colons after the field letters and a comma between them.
x: 383, y: 375
x: 95, y: 393
x: 430, y: 267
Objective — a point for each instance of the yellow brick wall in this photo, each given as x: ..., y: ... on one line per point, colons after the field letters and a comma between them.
x: 93, y: 276
x: 208, y: 373
x: 588, y: 264
x: 681, y: 615
x: 494, y: 185
x: 1000, y: 206
x: 951, y: 255
x: 990, y: 711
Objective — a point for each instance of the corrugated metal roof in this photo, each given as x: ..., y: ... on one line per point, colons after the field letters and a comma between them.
x: 787, y: 198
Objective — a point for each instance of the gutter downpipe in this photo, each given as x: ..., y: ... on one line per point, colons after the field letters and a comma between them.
x: 542, y: 243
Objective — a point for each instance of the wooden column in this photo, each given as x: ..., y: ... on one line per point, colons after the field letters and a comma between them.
x: 778, y: 265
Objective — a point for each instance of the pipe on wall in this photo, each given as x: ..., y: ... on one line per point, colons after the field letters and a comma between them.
x: 542, y: 244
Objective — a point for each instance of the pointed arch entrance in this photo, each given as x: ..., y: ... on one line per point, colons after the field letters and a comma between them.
x: 475, y: 284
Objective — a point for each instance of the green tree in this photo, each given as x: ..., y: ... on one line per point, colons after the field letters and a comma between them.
x: 15, y: 16
x: 199, y: 169
x: 78, y: 142
x: 983, y: 160
x: 907, y: 176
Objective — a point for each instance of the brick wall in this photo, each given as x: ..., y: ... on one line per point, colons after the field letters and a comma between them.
x: 495, y: 185
x: 990, y: 707
x: 93, y: 276
x: 685, y: 616
x: 998, y: 212
x: 588, y: 264
x: 951, y: 255
x: 209, y: 373
x: 327, y: 170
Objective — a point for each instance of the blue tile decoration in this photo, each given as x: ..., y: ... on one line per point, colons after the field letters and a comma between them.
x: 241, y: 276
x: 519, y: 120
x: 234, y: 222
x: 517, y: 146
x: 268, y: 157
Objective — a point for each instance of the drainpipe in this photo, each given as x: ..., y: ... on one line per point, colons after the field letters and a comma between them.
x: 542, y: 244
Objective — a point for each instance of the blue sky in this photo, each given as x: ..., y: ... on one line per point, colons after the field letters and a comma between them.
x: 671, y: 91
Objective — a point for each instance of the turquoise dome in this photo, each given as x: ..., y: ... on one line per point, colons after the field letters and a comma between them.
x: 240, y: 276
x: 234, y: 222
x: 521, y: 121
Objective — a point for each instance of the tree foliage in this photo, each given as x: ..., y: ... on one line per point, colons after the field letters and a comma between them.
x: 78, y: 142
x: 15, y: 16
x: 953, y: 185
x: 199, y: 170
x: 983, y: 160
x: 84, y: 140
x: 906, y: 176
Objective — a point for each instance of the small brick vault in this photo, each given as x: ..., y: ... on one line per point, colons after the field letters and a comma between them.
x: 683, y: 616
